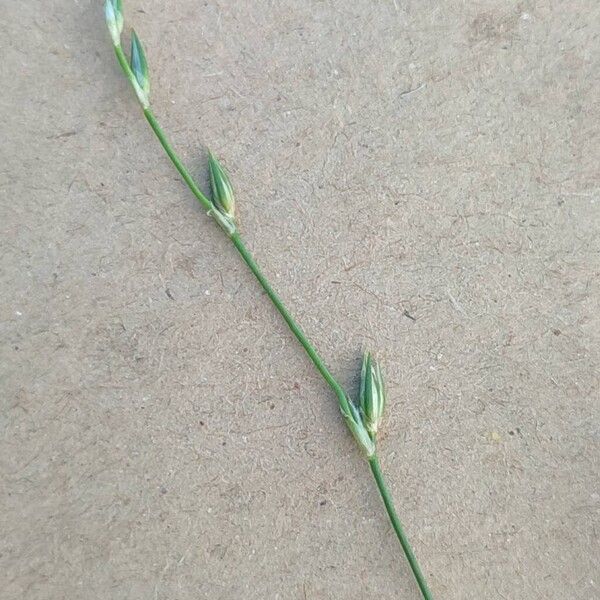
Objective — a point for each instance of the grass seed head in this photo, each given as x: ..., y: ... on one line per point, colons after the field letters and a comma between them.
x: 222, y: 190
x: 139, y: 68
x: 372, y: 393
x: 113, y: 12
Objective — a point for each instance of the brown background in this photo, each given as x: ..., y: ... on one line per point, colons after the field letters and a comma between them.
x: 164, y: 436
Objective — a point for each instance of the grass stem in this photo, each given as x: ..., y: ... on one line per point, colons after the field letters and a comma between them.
x: 397, y: 525
x: 294, y: 328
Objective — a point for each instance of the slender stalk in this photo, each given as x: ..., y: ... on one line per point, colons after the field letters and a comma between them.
x: 162, y: 138
x: 291, y: 323
x: 206, y: 203
x: 249, y: 260
x: 239, y: 245
x: 123, y: 62
x: 397, y: 525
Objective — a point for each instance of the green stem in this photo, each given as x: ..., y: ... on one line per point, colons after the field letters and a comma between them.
x: 291, y: 323
x: 204, y: 201
x: 391, y: 511
x: 123, y: 62
x: 162, y: 138
x: 249, y: 260
x: 239, y: 244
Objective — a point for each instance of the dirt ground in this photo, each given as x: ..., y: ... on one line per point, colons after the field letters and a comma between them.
x: 418, y: 178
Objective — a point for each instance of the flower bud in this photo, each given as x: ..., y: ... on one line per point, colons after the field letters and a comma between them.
x: 372, y: 393
x: 355, y: 424
x: 222, y: 192
x: 139, y: 68
x: 113, y: 12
